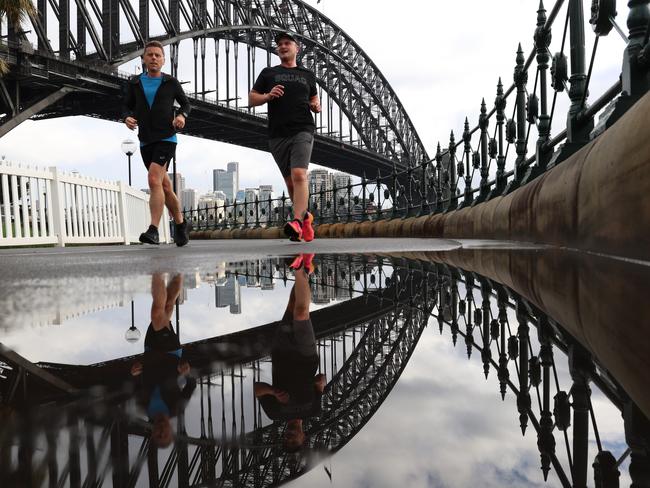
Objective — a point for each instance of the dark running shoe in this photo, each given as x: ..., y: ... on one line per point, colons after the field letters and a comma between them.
x: 182, y: 234
x: 150, y: 236
x: 293, y: 230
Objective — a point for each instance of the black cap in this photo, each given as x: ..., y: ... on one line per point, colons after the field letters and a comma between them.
x: 284, y: 35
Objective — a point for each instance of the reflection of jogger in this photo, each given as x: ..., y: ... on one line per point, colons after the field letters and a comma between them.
x: 296, y: 391
x: 290, y: 91
x: 149, y: 105
x: 165, y: 384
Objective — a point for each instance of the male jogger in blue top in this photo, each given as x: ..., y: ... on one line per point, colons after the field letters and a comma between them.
x: 290, y: 91
x: 150, y: 107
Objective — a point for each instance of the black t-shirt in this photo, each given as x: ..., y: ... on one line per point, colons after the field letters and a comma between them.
x: 290, y: 113
x: 293, y: 373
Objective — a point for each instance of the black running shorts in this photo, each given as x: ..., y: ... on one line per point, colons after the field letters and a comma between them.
x: 292, y: 152
x: 160, y: 152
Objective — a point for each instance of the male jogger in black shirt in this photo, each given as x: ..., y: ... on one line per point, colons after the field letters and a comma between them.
x: 149, y: 105
x: 290, y: 91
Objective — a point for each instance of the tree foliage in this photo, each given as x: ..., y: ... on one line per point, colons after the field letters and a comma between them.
x: 15, y: 11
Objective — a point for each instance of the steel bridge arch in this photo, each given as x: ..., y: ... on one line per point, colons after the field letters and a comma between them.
x: 344, y: 71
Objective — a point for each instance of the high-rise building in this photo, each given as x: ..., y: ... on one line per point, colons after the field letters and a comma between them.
x: 233, y: 169
x: 251, y: 194
x: 266, y: 205
x: 240, y: 196
x: 321, y: 183
x: 228, y: 294
x: 189, y: 199
x: 224, y: 181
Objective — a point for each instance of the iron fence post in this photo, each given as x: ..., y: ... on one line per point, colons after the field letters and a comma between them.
x: 257, y: 212
x: 378, y: 190
x: 500, y: 105
x: 349, y: 194
x: 520, y: 78
x: 577, y: 129
x: 467, y: 149
x: 394, y: 195
x: 484, y: 123
x: 321, y: 197
x: 542, y: 41
x: 440, y: 177
x: 364, y: 206
x: 453, y: 197
x: 335, y: 197
x: 635, y: 76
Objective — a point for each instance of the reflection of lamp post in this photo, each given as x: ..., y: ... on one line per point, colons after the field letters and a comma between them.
x: 132, y: 333
x: 128, y: 148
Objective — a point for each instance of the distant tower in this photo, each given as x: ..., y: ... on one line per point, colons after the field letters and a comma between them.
x: 233, y: 169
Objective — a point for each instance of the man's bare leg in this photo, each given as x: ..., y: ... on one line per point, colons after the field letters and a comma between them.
x: 300, y: 192
x: 171, y: 200
x: 164, y: 299
x: 155, y: 178
x: 302, y: 296
x: 289, y: 183
x: 159, y: 294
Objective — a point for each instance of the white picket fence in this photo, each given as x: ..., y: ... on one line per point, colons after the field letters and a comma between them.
x: 48, y: 206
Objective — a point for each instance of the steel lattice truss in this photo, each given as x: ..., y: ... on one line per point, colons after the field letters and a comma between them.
x: 374, y: 116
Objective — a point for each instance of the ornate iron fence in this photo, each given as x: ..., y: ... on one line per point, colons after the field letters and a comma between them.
x: 480, y: 165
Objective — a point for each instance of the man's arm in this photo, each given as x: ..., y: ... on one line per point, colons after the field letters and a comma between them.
x: 184, y: 111
x: 262, y: 389
x: 256, y: 98
x: 182, y: 99
x: 129, y: 107
x: 320, y: 380
x: 314, y: 100
x: 314, y: 104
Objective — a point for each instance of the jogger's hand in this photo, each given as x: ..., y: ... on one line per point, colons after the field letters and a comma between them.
x: 276, y: 92
x: 131, y: 123
x: 179, y: 122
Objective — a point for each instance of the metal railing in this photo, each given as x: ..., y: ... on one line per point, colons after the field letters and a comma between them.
x: 479, y: 165
x: 47, y: 206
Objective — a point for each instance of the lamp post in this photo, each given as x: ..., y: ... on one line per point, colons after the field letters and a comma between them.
x: 129, y: 147
x: 132, y: 334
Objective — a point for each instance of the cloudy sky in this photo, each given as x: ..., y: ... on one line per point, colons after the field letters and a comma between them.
x: 440, y: 57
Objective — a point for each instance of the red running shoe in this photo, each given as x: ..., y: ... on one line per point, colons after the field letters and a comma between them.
x: 307, y: 228
x: 307, y: 262
x: 297, y: 262
x: 293, y: 229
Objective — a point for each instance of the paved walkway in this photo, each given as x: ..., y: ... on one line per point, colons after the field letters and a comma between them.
x: 203, y: 255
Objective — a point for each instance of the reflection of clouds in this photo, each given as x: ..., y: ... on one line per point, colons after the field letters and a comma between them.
x: 445, y: 425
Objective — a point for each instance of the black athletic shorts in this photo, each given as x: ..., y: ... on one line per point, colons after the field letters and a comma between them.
x: 164, y: 340
x: 160, y: 152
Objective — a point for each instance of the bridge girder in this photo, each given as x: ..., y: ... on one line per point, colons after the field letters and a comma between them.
x: 344, y: 72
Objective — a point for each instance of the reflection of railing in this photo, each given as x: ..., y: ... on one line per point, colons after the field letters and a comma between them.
x: 47, y: 206
x: 364, y: 362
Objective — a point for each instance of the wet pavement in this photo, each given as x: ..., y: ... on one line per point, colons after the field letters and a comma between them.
x: 412, y: 363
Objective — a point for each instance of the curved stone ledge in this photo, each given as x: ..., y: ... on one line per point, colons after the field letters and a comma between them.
x: 596, y: 200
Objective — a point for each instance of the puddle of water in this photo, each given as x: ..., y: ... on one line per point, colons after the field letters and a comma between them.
x: 417, y: 370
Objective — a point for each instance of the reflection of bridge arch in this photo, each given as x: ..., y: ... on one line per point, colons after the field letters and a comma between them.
x: 463, y: 303
x: 361, y: 112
